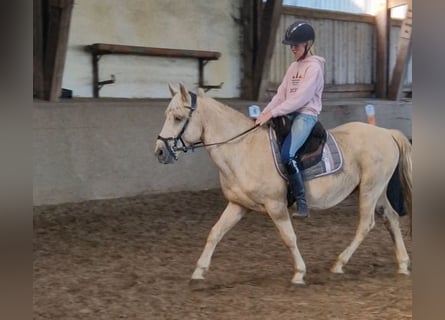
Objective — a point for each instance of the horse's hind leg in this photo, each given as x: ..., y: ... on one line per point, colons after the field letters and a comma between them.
x: 391, y: 221
x: 230, y: 217
x: 368, y: 201
x: 281, y: 219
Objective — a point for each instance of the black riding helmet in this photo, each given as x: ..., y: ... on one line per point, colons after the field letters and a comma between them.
x: 300, y: 32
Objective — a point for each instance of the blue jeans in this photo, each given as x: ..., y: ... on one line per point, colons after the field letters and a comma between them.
x: 302, y: 125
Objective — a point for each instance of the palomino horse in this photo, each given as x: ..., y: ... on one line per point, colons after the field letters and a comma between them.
x: 251, y: 182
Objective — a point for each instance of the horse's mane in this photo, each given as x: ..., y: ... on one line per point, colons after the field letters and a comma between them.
x: 225, y: 110
x: 221, y: 110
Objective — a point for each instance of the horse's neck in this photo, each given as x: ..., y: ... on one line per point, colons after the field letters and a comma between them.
x: 222, y: 122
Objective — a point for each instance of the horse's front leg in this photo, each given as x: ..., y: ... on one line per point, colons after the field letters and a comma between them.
x: 230, y: 217
x: 280, y: 216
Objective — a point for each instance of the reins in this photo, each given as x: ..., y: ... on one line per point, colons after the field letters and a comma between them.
x: 200, y: 144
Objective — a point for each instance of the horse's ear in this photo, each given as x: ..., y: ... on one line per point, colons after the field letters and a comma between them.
x: 201, y: 93
x: 172, y: 89
x: 184, y: 93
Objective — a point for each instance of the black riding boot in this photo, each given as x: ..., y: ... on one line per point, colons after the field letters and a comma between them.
x: 297, y: 187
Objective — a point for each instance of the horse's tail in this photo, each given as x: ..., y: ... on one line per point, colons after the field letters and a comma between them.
x: 405, y: 171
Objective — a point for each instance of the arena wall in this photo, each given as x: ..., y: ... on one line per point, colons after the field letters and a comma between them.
x: 86, y: 149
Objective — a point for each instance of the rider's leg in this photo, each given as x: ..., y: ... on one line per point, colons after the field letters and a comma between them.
x: 296, y: 184
x: 301, y: 128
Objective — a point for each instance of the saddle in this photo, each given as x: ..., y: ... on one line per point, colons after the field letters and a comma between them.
x: 311, y: 151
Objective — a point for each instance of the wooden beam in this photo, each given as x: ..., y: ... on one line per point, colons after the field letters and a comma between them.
x: 357, y: 87
x: 310, y: 14
x: 396, y: 3
x: 251, y: 33
x: 59, y: 18
x: 247, y: 49
x: 335, y: 91
x: 403, y: 53
x: 382, y: 51
x: 38, y: 86
x: 269, y: 23
x: 60, y: 3
x: 107, y: 48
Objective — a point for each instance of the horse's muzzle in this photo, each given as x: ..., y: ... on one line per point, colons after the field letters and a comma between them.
x: 162, y: 153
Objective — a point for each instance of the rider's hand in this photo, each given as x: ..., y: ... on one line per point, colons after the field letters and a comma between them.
x: 263, y: 118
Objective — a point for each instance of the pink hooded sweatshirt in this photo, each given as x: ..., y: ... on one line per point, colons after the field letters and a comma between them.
x: 301, y: 88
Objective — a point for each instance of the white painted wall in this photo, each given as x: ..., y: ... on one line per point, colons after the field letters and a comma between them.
x: 177, y: 24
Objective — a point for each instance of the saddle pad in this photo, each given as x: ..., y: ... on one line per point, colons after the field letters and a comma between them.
x: 331, y: 161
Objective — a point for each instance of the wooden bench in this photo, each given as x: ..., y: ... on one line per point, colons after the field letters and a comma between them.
x: 99, y: 49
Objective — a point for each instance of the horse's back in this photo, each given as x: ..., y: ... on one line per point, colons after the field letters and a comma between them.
x: 362, y: 135
x: 370, y: 147
x: 355, y: 126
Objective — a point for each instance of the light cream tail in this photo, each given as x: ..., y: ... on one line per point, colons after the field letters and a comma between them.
x: 405, y: 170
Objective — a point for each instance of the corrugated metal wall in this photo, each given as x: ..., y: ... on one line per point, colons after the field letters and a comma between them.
x: 347, y: 46
x: 356, y: 6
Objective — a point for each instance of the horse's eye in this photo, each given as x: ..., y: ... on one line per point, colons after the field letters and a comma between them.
x: 178, y: 119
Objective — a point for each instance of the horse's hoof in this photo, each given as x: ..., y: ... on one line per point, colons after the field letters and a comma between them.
x: 404, y: 272
x: 297, y: 285
x: 337, y: 270
x: 197, y: 284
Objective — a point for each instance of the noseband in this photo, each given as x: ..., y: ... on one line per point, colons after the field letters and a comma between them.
x: 174, y: 147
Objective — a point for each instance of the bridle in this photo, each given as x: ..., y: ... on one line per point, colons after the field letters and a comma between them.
x: 174, y: 147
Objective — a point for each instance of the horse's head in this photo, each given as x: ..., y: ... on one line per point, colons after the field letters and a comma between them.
x: 182, y: 126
